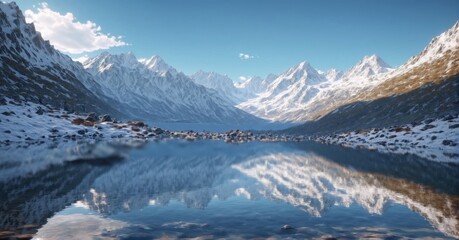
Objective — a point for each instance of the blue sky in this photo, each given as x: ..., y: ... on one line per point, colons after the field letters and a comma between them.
x: 211, y: 34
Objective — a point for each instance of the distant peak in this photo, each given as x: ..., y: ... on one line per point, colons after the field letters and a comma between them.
x: 129, y: 55
x: 154, y: 61
x: 304, y: 66
x: 332, y: 70
x: 374, y: 60
x: 157, y: 64
x: 104, y: 54
x: 12, y: 5
x: 154, y: 58
x: 372, y: 57
x: 211, y: 74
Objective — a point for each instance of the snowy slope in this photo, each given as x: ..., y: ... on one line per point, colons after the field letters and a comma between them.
x: 221, y: 83
x: 424, y: 87
x: 152, y: 89
x: 32, y: 69
x: 301, y: 92
x: 437, y: 48
x: 287, y: 99
x: 157, y: 64
x: 255, y: 85
x: 232, y: 91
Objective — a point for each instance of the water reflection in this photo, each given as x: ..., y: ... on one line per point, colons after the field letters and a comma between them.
x: 259, y: 184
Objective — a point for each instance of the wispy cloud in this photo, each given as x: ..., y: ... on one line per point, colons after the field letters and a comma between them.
x: 245, y: 56
x: 69, y: 35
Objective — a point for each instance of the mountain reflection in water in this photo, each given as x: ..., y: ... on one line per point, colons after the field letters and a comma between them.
x: 265, y: 182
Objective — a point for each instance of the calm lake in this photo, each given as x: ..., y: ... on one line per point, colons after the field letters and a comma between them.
x: 210, y: 189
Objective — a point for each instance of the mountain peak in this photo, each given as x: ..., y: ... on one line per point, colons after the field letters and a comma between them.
x: 128, y: 57
x: 304, y: 65
x: 157, y: 64
x: 374, y: 60
x: 367, y: 67
x: 152, y: 59
x: 438, y: 47
x: 302, y: 68
x: 9, y: 7
x: 333, y: 74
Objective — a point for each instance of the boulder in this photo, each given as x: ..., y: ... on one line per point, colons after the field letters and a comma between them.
x: 449, y: 143
x: 137, y: 124
x: 40, y: 111
x: 106, y: 118
x: 78, y: 121
x: 158, y: 131
x: 88, y: 123
x: 92, y: 117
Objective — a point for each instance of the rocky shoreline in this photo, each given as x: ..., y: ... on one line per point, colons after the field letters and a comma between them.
x: 25, y: 124
x: 30, y: 124
x: 434, y: 139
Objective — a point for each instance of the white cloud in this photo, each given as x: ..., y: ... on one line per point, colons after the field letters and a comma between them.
x: 245, y: 56
x: 69, y: 35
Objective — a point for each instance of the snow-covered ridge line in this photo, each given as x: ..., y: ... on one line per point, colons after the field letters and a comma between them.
x: 118, y: 84
x: 434, y: 139
x: 151, y: 89
x: 303, y: 92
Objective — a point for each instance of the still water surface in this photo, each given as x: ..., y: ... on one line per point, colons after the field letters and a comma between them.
x: 213, y: 190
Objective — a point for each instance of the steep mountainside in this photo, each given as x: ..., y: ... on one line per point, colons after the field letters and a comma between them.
x: 152, y: 89
x: 220, y: 83
x: 31, y: 69
x: 157, y: 64
x: 301, y: 92
x: 234, y: 92
x: 427, y: 86
x: 253, y: 86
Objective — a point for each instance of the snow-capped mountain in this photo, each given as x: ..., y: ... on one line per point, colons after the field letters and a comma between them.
x: 157, y: 64
x: 220, y: 83
x: 154, y: 90
x: 232, y: 91
x: 149, y: 89
x: 302, y: 91
x: 333, y: 74
x: 440, y: 46
x: 367, y: 67
x: 424, y: 87
x: 255, y: 85
x: 33, y: 70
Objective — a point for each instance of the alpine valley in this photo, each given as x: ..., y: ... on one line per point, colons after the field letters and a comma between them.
x: 117, y: 146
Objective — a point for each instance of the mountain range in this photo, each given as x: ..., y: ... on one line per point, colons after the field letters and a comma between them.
x: 121, y: 85
x: 153, y: 89
x: 370, y: 94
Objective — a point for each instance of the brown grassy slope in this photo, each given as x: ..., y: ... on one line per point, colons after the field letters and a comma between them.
x: 427, y: 91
